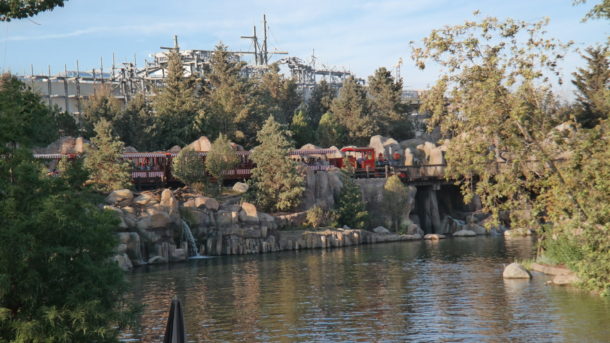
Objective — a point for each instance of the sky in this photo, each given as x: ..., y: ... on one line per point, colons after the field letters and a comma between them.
x: 360, y: 36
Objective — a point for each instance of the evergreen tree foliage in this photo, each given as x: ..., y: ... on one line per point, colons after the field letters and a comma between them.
x: 24, y: 120
x: 395, y: 200
x: 301, y: 130
x: 278, y: 185
x: 107, y: 169
x: 189, y: 168
x: 220, y: 159
x: 593, y: 85
x: 229, y: 109
x: 388, y: 111
x: 176, y: 107
x: 350, y: 205
x: 352, y: 109
x: 278, y: 95
x: 101, y: 105
x: 319, y: 103
x: 19, y: 9
x: 57, y: 280
x: 599, y: 11
x: 137, y: 122
x: 330, y: 131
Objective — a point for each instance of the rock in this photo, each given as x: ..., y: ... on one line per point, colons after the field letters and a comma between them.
x: 120, y: 197
x: 518, y: 232
x: 516, y: 271
x: 143, y: 223
x: 248, y: 213
x: 130, y: 149
x: 434, y: 236
x: 159, y: 220
x: 384, y: 145
x: 144, y: 198
x: 201, y: 144
x: 226, y: 218
x: 414, y: 229
x: 175, y: 149
x: 64, y: 145
x: 123, y: 261
x: 171, y: 205
x: 464, y: 233
x: 208, y: 203
x: 240, y: 187
x: 478, y: 229
x: 565, y: 279
x: 157, y: 259
x: 381, y: 230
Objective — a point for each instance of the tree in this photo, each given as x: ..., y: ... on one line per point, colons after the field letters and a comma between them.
x: 278, y: 95
x: 24, y: 120
x: 220, y: 159
x: 107, y: 169
x: 395, y: 200
x: 593, y: 87
x: 137, y: 122
x: 330, y: 132
x: 278, y: 185
x: 599, y: 11
x: 176, y: 107
x: 101, y: 105
x: 227, y: 97
x: 350, y: 206
x: 57, y: 280
x: 319, y: 103
x: 189, y: 168
x: 19, y: 9
x: 302, y: 131
x: 352, y: 109
x: 503, y: 122
x: 387, y: 108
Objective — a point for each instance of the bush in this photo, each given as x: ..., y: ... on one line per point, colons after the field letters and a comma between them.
x: 351, y: 210
x: 319, y: 217
x: 188, y: 167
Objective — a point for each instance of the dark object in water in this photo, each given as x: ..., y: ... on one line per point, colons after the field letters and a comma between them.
x: 174, y: 331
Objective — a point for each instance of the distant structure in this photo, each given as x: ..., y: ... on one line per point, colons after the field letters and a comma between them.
x: 70, y: 88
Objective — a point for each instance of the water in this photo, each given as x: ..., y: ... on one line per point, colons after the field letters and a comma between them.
x: 190, y: 239
x: 447, y: 291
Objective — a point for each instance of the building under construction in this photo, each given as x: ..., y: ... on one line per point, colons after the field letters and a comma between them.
x: 70, y: 88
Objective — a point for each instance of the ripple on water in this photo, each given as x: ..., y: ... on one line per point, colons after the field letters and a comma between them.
x: 447, y: 291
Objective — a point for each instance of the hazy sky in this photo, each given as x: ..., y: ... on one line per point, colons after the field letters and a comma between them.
x: 358, y: 35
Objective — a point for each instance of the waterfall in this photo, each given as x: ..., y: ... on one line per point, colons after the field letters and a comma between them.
x: 188, y: 235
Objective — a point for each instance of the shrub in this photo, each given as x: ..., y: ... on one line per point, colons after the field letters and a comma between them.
x: 188, y: 167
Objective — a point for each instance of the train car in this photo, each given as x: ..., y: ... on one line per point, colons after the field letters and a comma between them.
x: 361, y: 158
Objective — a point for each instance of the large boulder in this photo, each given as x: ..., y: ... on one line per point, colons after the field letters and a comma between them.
x: 65, y: 145
x: 434, y: 236
x: 144, y: 198
x: 248, y: 213
x: 159, y: 220
x: 171, y: 205
x: 516, y: 271
x: 123, y: 261
x: 207, y: 203
x: 241, y: 187
x: 384, y: 145
x: 121, y: 197
x: 464, y: 233
x: 381, y: 230
x: 201, y: 144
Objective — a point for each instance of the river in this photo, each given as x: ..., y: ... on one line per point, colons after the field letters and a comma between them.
x: 423, y: 291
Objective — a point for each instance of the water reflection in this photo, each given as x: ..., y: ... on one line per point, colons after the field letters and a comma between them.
x: 446, y: 291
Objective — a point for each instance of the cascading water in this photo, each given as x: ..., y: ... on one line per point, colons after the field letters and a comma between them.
x: 188, y: 235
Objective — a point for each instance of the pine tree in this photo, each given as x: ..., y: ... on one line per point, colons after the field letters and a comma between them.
x: 278, y: 185
x: 278, y: 95
x: 227, y: 97
x: 176, y: 107
x: 395, y: 200
x: 107, y: 169
x: 220, y: 159
x: 593, y: 87
x: 350, y: 205
x: 101, y: 105
x: 352, y: 109
x: 24, y: 120
x: 319, y: 103
x: 302, y: 131
x: 137, y: 121
x: 24, y: 9
x: 387, y: 108
x: 189, y: 168
x: 330, y: 132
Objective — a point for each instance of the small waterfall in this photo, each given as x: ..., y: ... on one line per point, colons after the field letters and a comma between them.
x: 188, y: 235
